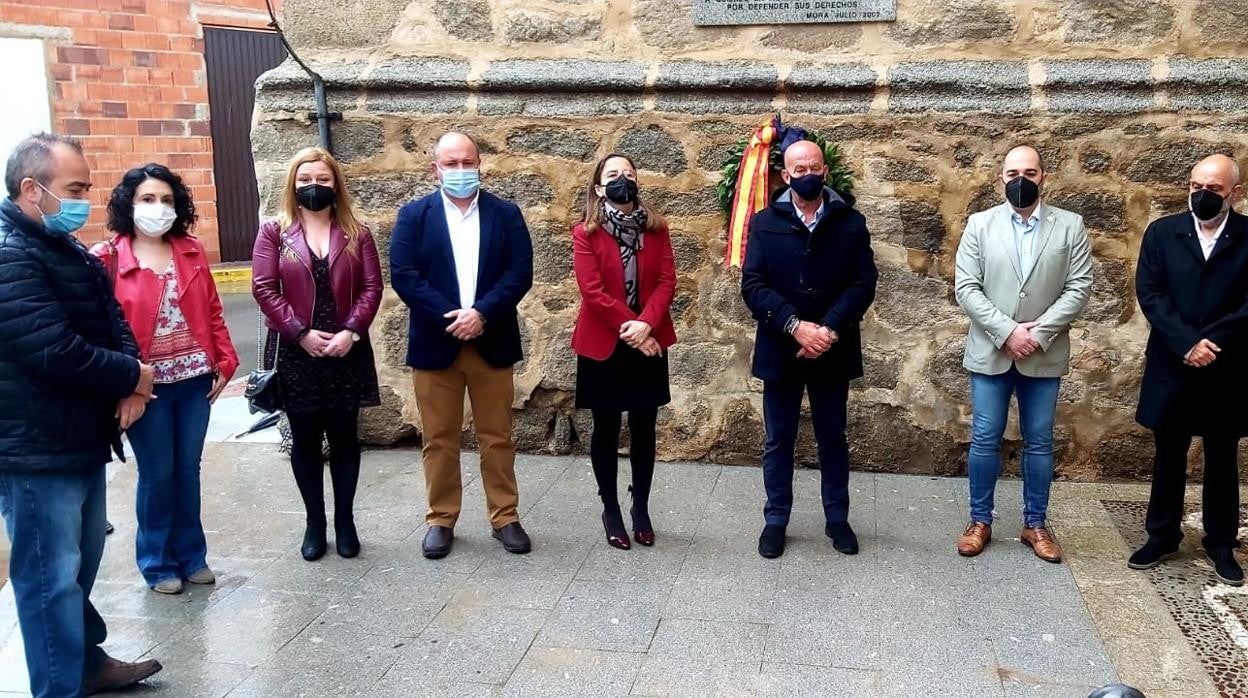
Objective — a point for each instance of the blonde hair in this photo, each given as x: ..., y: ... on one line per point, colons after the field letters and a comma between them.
x: 593, y: 202
x: 343, y: 212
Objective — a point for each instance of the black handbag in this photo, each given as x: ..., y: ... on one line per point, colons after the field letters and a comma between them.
x: 264, y: 387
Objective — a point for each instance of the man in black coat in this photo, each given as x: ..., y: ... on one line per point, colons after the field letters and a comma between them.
x: 808, y: 279
x: 1192, y: 284
x: 69, y: 369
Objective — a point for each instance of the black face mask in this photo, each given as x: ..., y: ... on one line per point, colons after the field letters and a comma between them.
x: 1205, y: 204
x: 809, y: 187
x: 621, y: 190
x: 1022, y: 192
x: 314, y: 197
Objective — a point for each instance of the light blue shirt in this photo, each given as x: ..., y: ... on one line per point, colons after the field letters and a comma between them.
x: 1025, y: 239
x: 787, y: 196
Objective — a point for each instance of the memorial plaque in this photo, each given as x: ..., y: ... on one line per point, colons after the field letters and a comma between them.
x: 719, y: 12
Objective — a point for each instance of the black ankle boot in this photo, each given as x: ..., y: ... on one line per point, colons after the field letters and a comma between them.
x: 314, y: 542
x: 346, y: 540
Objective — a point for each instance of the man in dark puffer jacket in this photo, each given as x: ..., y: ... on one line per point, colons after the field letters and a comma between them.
x: 69, y: 369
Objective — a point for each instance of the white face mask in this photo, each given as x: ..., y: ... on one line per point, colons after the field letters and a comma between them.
x: 154, y: 219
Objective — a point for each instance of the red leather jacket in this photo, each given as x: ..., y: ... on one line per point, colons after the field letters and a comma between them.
x: 281, y: 279
x: 604, y: 306
x: 139, y: 292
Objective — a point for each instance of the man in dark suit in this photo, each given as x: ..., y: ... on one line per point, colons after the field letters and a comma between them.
x: 461, y: 259
x: 1192, y: 284
x: 808, y: 279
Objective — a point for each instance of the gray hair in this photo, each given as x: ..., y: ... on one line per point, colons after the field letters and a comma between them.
x: 438, y: 143
x: 33, y: 158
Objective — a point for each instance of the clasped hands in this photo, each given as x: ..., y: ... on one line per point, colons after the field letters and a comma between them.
x: 1021, y: 344
x: 636, y: 334
x: 327, y: 344
x: 466, y: 324
x: 814, y: 339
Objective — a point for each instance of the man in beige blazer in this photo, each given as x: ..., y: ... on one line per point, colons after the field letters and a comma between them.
x: 1024, y: 273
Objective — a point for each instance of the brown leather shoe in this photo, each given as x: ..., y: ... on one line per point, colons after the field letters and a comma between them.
x: 114, y: 674
x: 1041, y: 541
x: 974, y: 539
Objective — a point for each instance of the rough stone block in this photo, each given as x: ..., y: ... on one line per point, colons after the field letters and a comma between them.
x: 546, y: 27
x: 652, y: 148
x: 416, y: 102
x: 838, y: 88
x: 1106, y: 86
x: 704, y: 87
x: 700, y: 202
x: 547, y: 105
x: 355, y: 139
x: 1102, y: 21
x: 389, y: 192
x: 1101, y: 210
x: 922, y: 226
x: 279, y: 140
x: 959, y: 86
x: 572, y: 144
x: 523, y: 189
x: 290, y: 75
x: 340, y: 24
x: 942, y: 22
x: 890, y: 169
x: 813, y: 38
x: 552, y: 254
x: 1217, y: 21
x: 1095, y: 161
x: 564, y: 75
x: 1216, y: 85
x: 1170, y: 162
x: 468, y: 20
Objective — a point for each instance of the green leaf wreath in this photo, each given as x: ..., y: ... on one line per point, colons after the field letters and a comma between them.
x: 839, y: 178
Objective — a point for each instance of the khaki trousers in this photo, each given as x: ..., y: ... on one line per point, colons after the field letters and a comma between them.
x: 440, y: 399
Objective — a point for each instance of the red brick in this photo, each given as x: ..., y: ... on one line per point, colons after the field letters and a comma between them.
x: 86, y: 37
x: 200, y: 128
x: 180, y: 160
x: 145, y: 59
x: 184, y: 111
x: 76, y: 127
x: 63, y: 72
x: 113, y: 39
x: 123, y: 22
x: 116, y: 110
x: 81, y: 55
x: 115, y: 74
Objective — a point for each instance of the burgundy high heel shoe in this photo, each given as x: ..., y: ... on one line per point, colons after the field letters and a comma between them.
x: 617, y: 538
x: 643, y: 530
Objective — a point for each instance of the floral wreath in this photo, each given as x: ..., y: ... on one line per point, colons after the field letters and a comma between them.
x: 744, y: 187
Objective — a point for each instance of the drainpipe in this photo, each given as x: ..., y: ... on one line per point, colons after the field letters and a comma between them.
x: 322, y: 115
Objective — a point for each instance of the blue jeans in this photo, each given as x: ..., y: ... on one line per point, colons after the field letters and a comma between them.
x: 990, y: 404
x: 168, y: 443
x: 56, y: 528
x: 782, y: 406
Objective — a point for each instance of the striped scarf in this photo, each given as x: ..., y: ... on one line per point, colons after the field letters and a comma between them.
x: 627, y: 229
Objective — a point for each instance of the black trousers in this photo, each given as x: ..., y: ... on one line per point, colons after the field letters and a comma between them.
x: 307, y: 432
x: 1219, y: 492
x: 604, y: 446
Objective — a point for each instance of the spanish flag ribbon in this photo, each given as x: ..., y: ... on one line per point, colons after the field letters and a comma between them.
x: 752, y: 190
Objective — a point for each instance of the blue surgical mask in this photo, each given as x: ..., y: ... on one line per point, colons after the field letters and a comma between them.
x: 460, y: 184
x: 72, y: 216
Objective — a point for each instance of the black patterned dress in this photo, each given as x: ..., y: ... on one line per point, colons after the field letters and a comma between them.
x: 335, y: 383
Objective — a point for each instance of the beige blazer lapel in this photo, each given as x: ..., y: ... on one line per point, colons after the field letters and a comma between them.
x: 1003, y: 230
x: 1042, y: 238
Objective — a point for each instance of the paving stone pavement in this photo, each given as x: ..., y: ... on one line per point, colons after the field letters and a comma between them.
x: 699, y: 614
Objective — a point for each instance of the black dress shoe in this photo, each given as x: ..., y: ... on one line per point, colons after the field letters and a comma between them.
x: 314, y: 543
x: 613, y: 525
x: 346, y: 539
x: 513, y: 538
x: 843, y: 538
x: 437, y: 543
x: 1151, y: 554
x: 1226, y: 567
x: 771, y: 541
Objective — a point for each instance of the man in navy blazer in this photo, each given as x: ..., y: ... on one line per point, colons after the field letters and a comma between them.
x: 808, y: 279
x: 1192, y: 282
x: 461, y: 259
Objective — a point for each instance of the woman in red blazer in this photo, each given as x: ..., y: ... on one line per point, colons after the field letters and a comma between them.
x: 626, y: 273
x: 162, y: 281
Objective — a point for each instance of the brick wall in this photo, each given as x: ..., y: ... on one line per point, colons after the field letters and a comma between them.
x: 128, y: 79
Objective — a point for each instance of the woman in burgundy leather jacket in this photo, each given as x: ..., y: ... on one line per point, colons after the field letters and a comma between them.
x: 317, y: 279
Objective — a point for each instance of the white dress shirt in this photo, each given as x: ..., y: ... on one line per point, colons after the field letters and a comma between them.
x: 465, y: 230
x: 1207, y: 243
x: 1025, y: 239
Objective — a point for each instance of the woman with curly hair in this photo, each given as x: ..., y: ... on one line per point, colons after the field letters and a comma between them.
x: 317, y: 279
x: 161, y: 279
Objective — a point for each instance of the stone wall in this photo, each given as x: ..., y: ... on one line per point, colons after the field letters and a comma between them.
x: 1120, y: 101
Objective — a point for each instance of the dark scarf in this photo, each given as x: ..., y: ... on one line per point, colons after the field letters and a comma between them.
x: 627, y: 229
